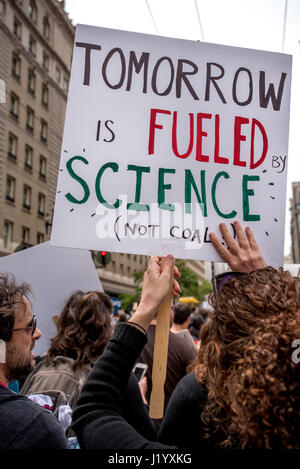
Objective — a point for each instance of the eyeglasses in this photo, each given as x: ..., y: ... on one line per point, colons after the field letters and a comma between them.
x: 32, y: 326
x: 219, y: 280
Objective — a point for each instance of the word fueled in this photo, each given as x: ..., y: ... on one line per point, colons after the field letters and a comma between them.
x: 238, y: 137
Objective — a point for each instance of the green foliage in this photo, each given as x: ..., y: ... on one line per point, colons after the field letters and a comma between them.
x: 188, y: 283
x: 127, y: 299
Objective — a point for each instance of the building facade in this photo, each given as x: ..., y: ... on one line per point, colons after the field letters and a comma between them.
x: 295, y: 222
x: 36, y: 38
x: 36, y: 49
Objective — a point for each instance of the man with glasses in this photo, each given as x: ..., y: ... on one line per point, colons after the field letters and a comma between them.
x: 24, y: 424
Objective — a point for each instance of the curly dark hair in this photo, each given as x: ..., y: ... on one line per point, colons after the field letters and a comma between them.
x: 84, y: 329
x: 245, y: 362
x: 11, y: 294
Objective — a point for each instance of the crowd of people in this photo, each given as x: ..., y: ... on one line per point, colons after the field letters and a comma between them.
x: 230, y: 380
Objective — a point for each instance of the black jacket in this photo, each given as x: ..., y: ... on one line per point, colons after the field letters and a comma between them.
x: 26, y: 425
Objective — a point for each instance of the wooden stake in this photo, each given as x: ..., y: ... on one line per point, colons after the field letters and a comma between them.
x: 160, y: 355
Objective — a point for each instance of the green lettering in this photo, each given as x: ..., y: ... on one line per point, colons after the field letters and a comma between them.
x: 139, y: 171
x: 81, y: 181
x: 213, y: 196
x: 246, y: 194
x: 115, y: 168
x: 189, y: 183
x: 162, y: 187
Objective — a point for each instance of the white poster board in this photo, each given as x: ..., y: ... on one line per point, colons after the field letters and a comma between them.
x: 54, y: 274
x: 154, y: 123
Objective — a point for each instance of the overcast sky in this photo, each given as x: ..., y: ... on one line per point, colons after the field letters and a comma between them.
x: 256, y: 24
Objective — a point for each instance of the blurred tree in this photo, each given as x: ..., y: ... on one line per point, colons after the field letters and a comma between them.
x: 188, y: 283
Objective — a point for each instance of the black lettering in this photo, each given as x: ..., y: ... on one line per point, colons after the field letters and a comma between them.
x: 87, y: 65
x: 138, y: 64
x: 265, y: 98
x: 119, y: 51
x: 210, y: 78
x: 109, y: 129
x: 181, y: 76
x: 249, y: 99
x: 154, y: 76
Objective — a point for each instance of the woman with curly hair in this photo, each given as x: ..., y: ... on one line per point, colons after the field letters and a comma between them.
x: 244, y: 389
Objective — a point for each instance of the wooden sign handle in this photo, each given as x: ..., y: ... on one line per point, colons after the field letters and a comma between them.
x: 160, y: 355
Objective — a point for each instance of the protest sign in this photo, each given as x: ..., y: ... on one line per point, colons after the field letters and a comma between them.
x: 165, y: 138
x: 53, y: 274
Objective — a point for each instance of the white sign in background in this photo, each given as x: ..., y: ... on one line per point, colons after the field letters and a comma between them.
x: 149, y: 115
x: 53, y: 274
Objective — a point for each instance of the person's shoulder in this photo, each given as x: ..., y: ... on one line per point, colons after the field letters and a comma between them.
x: 20, y: 416
x: 191, y: 386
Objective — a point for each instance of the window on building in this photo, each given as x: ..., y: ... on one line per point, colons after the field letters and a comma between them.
x: 7, y: 233
x: 43, y: 167
x: 12, y: 146
x: 66, y: 84
x: 31, y: 81
x: 30, y: 119
x: 45, y: 94
x: 14, y: 105
x: 40, y: 237
x: 32, y: 46
x: 26, y: 197
x: 128, y: 256
x: 17, y: 28
x: 44, y: 131
x: 32, y: 11
x: 10, y: 189
x: 25, y: 234
x: 41, y: 205
x: 2, y: 7
x: 113, y: 266
x: 122, y: 269
x: 46, y: 61
x: 16, y: 65
x: 141, y: 259
x: 46, y: 28
x: 129, y: 271
x: 298, y: 218
x: 28, y: 157
x: 57, y: 74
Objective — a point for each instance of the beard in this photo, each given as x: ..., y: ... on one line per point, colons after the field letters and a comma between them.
x: 17, y: 365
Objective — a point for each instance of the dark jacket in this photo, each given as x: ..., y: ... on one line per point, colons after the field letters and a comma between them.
x: 26, y: 425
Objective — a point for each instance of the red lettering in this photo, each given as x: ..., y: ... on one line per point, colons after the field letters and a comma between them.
x: 238, y: 138
x: 254, y: 165
x: 200, y: 134
x: 217, y: 157
x: 174, y: 136
x: 154, y: 126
